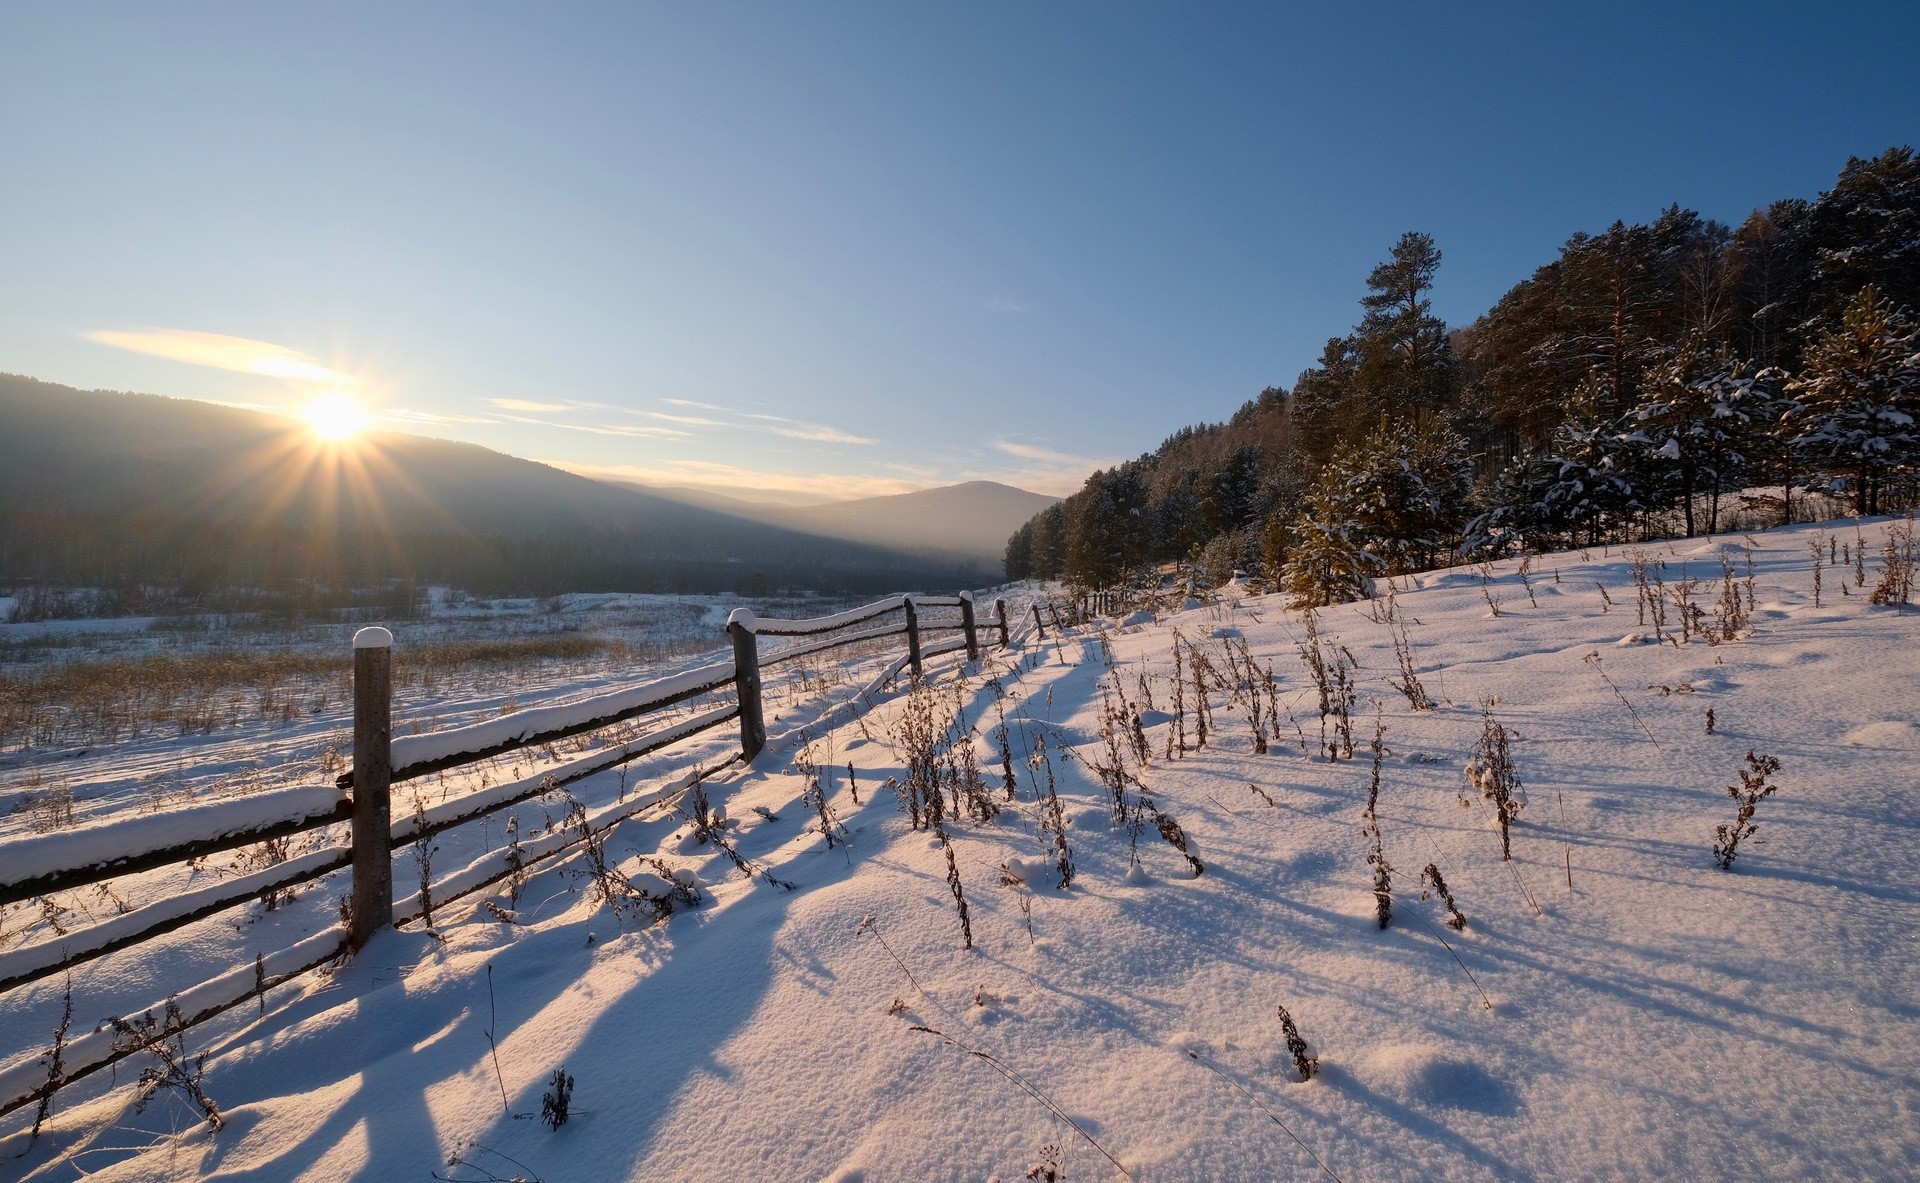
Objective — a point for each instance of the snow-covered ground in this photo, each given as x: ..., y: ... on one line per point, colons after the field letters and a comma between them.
x: 1617, y: 1007
x: 256, y: 744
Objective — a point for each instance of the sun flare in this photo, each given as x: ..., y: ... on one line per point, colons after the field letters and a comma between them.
x: 335, y: 417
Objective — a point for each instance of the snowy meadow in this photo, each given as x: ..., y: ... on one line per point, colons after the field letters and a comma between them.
x: 1596, y: 865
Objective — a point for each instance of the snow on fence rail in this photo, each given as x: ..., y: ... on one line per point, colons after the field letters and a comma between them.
x: 43, y: 864
x: 422, y: 755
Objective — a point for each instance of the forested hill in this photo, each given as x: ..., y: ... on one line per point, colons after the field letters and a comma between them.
x: 1624, y: 387
x: 185, y: 499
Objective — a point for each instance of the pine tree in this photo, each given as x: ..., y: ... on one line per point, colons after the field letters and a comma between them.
x: 1515, y: 517
x: 1770, y: 263
x: 1587, y: 484
x: 1327, y: 564
x: 1699, y: 417
x: 1228, y: 492
x: 1018, y: 562
x: 1174, y: 518
x: 1866, y: 230
x: 1859, y: 396
x: 1391, y: 503
x: 1323, y: 402
x: 1277, y: 535
x: 1107, y: 529
x: 1049, y: 550
x: 1405, y: 365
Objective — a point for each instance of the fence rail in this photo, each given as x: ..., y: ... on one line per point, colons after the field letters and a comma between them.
x: 41, y: 865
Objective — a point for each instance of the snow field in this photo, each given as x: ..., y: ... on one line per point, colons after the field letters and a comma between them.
x: 1660, y: 1019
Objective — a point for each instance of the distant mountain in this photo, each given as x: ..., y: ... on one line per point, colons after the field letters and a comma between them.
x: 968, y: 521
x: 972, y: 519
x: 106, y: 488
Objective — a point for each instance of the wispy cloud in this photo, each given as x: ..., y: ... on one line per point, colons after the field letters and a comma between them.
x: 614, y: 429
x: 781, y: 425
x: 1036, y: 452
x: 1042, y: 469
x: 821, y: 434
x: 798, y: 429
x: 222, y: 352
x: 1008, y: 307
x: 521, y: 404
x: 408, y: 415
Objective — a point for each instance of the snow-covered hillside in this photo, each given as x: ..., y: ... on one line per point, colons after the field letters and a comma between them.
x: 1616, y: 1006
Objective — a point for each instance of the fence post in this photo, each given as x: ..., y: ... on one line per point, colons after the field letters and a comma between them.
x: 1039, y: 626
x: 1000, y: 618
x: 746, y: 682
x: 372, y: 784
x: 966, y: 625
x: 913, y: 635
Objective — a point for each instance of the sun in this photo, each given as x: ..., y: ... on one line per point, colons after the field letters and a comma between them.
x: 335, y: 417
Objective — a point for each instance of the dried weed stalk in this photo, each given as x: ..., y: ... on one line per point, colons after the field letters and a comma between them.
x: 164, y: 1040
x: 1492, y: 773
x: 1431, y: 885
x: 1753, y: 789
x: 1376, y: 852
x: 1303, y: 1063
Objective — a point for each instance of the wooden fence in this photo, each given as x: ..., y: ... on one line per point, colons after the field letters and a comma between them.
x: 1080, y: 608
x: 45, y: 864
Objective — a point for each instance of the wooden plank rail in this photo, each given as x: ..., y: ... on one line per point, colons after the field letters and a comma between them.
x: 25, y: 1082
x: 476, y: 742
x: 461, y: 810
x: 495, y: 865
x: 44, y: 864
x: 81, y: 857
x: 798, y: 651
x: 30, y: 963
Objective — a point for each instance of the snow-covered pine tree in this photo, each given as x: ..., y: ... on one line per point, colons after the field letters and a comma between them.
x: 1328, y: 562
x: 1515, y: 516
x: 1859, y: 397
x: 1605, y: 482
x: 1701, y: 416
x: 1866, y: 230
x: 1392, y: 503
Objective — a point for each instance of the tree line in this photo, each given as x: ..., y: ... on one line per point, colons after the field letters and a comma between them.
x: 1629, y: 387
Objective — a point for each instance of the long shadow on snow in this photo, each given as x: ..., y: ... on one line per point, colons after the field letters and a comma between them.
x: 399, y: 1036
x: 671, y: 1027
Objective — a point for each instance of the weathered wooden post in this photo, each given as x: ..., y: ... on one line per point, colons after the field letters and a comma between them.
x: 746, y: 681
x: 1039, y: 626
x: 1000, y: 618
x: 913, y: 635
x: 966, y: 626
x: 372, y: 784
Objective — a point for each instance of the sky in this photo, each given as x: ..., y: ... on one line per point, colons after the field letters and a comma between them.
x: 835, y: 250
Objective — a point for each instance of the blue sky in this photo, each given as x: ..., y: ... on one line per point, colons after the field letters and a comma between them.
x: 837, y: 249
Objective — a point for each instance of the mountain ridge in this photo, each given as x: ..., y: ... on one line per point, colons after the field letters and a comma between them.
x: 111, y: 487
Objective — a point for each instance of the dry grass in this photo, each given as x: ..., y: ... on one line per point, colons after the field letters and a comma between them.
x: 108, y: 701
